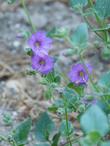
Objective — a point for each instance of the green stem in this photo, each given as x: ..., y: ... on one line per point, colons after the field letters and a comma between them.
x: 28, y: 15
x: 100, y: 22
x: 67, y: 127
x: 91, y: 27
x: 75, y: 140
x: 90, y: 2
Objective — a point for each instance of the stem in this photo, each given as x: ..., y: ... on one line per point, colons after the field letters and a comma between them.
x: 66, y: 116
x: 90, y: 2
x: 28, y: 15
x: 91, y: 27
x: 100, y: 22
x: 72, y: 140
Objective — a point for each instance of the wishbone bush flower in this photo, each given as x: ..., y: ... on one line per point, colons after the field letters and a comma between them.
x: 40, y: 43
x: 79, y: 74
x: 42, y: 63
x: 88, y: 106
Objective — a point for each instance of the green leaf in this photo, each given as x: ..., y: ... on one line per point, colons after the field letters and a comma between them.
x: 58, y: 32
x: 77, y: 89
x: 75, y: 3
x: 102, y: 7
x: 7, y: 119
x: 104, y: 80
x: 105, y: 143
x: 63, y: 128
x: 71, y: 98
x: 20, y: 133
x: 91, y: 139
x: 44, y: 127
x: 80, y: 36
x: 70, y: 94
x: 106, y: 53
x: 94, y: 119
x: 94, y: 137
x: 29, y: 51
x: 56, y: 139
x: 48, y: 94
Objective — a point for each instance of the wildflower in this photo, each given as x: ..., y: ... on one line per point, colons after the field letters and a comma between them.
x: 40, y: 43
x: 42, y: 63
x: 79, y: 74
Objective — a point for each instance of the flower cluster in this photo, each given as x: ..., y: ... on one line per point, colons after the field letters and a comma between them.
x: 43, y: 63
x: 40, y: 45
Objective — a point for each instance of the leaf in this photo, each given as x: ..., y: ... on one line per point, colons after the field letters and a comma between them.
x: 106, y: 53
x: 80, y: 36
x: 105, y: 143
x: 58, y: 32
x: 20, y: 133
x: 63, y: 128
x: 104, y: 80
x: 77, y: 89
x: 94, y: 119
x: 44, y: 127
x: 102, y: 8
x: 75, y: 3
x: 91, y: 139
x: 70, y: 94
x: 29, y: 51
x: 56, y: 139
x: 71, y: 98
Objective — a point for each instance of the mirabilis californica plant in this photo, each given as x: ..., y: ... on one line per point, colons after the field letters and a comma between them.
x: 92, y: 108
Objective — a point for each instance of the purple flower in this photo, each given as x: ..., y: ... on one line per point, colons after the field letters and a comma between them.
x: 40, y: 43
x: 79, y: 74
x: 42, y: 63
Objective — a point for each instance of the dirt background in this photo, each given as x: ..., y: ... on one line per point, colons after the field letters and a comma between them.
x: 21, y: 95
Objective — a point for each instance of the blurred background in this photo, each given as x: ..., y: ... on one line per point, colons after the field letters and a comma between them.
x: 21, y: 95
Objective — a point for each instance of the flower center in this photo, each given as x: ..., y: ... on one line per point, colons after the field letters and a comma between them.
x: 38, y: 44
x: 81, y: 74
x: 42, y: 62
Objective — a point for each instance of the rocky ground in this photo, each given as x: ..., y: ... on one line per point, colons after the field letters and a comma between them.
x: 21, y: 95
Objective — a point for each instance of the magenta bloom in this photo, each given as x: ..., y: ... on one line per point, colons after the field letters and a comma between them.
x: 42, y: 63
x: 40, y: 43
x: 78, y: 74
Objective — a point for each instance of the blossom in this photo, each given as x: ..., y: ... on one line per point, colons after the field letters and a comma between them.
x: 42, y: 63
x: 40, y: 43
x: 79, y: 74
